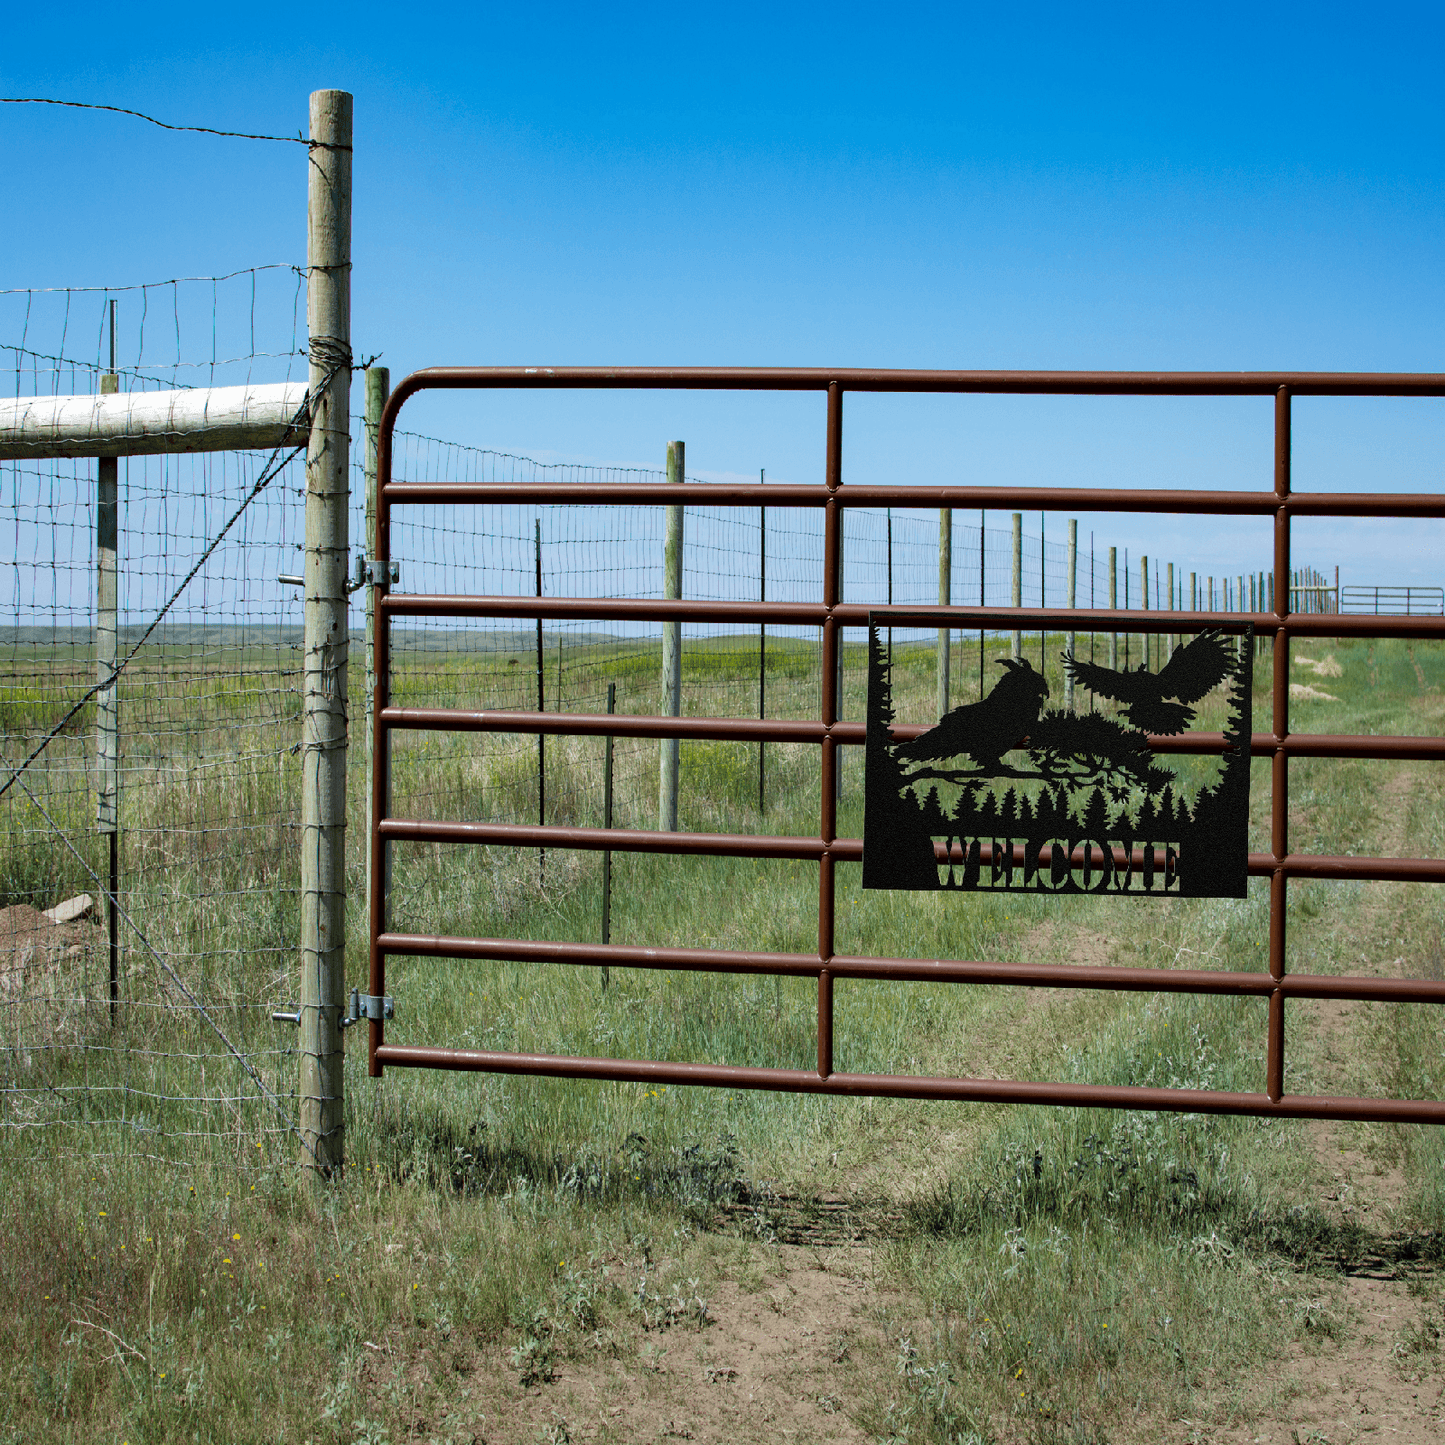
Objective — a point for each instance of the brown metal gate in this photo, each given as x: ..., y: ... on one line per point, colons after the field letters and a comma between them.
x: 828, y: 732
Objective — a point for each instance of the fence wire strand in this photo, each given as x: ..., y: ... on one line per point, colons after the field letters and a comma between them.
x: 207, y: 697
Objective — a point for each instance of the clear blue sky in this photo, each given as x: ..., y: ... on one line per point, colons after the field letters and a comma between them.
x: 1095, y: 187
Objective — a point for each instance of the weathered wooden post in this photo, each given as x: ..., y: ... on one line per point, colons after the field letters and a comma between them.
x: 1173, y: 607
x: 1144, y: 581
x: 107, y: 713
x: 378, y: 388
x: 888, y: 514
x: 671, y: 646
x: 323, y: 737
x: 1070, y: 637
x: 1113, y: 605
x: 945, y: 599
x: 1043, y: 592
x: 1018, y: 582
x: 982, y: 578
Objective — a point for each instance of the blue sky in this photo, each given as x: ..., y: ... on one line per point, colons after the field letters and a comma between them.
x: 1118, y: 187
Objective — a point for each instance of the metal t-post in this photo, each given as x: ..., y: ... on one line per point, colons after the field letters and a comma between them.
x: 324, y: 665
x: 671, y: 647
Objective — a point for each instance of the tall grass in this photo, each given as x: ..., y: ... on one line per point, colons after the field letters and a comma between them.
x: 1063, y: 1267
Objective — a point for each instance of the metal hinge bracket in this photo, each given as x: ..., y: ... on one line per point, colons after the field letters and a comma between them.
x: 369, y: 1006
x: 370, y: 572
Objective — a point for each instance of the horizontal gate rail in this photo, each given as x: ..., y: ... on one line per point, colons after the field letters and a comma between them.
x: 801, y: 730
x: 916, y: 970
x: 1344, y: 867
x: 828, y: 732
x: 853, y: 614
x: 863, y: 494
x: 908, y: 1086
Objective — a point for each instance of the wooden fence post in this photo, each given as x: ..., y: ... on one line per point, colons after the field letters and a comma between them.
x: 1173, y: 607
x: 324, y: 663
x: 1144, y: 581
x: 1071, y: 638
x: 1018, y: 581
x: 1113, y: 605
x: 982, y: 578
x: 945, y: 599
x: 671, y: 647
x: 107, y: 711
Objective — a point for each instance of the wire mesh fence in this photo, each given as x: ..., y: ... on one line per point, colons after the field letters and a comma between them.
x: 180, y: 1048
x: 729, y: 554
x: 207, y: 715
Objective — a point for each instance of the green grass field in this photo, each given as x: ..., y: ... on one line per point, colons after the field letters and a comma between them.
x: 500, y: 1245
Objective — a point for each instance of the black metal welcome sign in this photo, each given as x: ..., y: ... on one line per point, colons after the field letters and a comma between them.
x: 1008, y: 794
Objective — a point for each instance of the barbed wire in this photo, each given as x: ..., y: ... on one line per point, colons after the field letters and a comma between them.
x: 167, y: 125
x: 152, y: 285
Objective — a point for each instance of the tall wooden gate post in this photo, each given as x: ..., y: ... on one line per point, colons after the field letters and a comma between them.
x: 671, y: 648
x: 324, y: 691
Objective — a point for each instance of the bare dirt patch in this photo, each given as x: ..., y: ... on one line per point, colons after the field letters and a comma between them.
x: 1079, y: 946
x: 1379, y: 1380
x: 33, y: 947
x: 787, y: 1355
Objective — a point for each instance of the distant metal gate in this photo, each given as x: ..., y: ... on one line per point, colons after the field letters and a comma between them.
x: 1394, y: 601
x: 828, y: 732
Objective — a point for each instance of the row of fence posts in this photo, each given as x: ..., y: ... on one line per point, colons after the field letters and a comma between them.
x: 1168, y: 591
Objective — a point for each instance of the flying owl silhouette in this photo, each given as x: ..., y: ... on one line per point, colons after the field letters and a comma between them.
x: 1195, y: 670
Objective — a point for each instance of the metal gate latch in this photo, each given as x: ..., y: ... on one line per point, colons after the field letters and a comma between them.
x: 368, y: 1006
